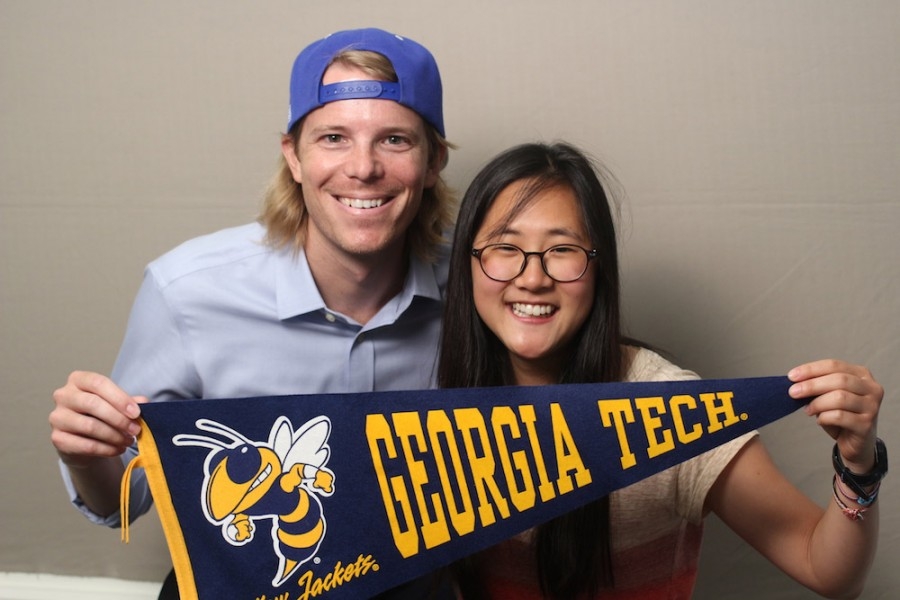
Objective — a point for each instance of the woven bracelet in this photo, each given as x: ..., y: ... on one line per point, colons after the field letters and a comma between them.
x: 854, y: 514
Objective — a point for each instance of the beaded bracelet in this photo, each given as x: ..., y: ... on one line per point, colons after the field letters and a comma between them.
x: 872, y: 496
x: 854, y: 514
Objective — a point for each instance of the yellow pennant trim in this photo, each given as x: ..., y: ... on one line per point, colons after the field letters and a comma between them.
x: 149, y: 460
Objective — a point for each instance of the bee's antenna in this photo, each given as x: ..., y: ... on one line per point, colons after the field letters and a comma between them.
x: 223, y: 430
x: 187, y: 439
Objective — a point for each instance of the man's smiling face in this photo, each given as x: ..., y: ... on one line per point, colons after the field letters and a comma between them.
x: 363, y: 164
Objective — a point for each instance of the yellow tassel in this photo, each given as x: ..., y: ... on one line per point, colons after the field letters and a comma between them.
x: 125, y: 495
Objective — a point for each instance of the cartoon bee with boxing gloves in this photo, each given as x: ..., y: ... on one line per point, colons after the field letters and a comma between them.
x: 278, y: 480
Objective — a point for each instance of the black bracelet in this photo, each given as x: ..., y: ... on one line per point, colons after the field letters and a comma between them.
x: 859, y: 483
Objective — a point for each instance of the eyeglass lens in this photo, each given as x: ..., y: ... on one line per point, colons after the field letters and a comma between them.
x: 505, y: 262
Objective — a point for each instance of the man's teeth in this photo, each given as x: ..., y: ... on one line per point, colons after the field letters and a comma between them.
x: 532, y: 310
x: 360, y: 203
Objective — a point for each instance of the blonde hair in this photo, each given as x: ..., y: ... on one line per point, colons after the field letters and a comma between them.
x: 284, y: 212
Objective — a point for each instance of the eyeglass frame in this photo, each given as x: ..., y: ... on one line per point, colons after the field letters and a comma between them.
x: 590, y: 254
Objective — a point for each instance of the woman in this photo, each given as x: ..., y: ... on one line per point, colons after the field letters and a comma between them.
x: 533, y: 298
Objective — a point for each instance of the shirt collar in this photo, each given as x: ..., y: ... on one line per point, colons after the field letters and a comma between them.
x: 295, y: 288
x: 297, y: 293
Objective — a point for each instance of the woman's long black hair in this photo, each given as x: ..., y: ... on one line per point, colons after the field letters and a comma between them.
x: 572, y: 551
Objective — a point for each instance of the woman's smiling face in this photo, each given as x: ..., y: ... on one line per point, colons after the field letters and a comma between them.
x: 535, y: 317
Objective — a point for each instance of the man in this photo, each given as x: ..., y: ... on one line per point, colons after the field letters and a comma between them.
x: 336, y: 289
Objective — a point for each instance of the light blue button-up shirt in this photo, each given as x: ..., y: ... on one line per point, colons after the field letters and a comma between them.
x: 226, y: 316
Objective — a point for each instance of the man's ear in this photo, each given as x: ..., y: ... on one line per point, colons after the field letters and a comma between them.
x: 438, y: 162
x: 289, y: 151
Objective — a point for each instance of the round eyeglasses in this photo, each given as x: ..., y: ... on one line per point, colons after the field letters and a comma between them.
x: 563, y: 263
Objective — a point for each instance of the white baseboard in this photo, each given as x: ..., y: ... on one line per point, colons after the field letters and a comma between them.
x: 31, y: 586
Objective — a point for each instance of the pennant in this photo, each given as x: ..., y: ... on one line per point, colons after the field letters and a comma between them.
x: 347, y: 495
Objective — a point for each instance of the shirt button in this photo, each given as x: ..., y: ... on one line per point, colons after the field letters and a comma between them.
x: 330, y: 317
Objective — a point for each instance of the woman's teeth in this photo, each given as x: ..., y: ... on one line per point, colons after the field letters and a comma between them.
x: 360, y: 203
x: 532, y: 310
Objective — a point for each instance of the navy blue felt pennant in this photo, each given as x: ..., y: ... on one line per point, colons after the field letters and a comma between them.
x: 347, y: 495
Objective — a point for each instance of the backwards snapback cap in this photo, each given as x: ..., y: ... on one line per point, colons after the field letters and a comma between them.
x: 418, y: 84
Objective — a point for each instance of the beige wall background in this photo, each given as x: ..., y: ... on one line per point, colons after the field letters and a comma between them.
x: 758, y: 144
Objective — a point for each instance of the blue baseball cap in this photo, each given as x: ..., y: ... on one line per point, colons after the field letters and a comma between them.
x: 418, y: 84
